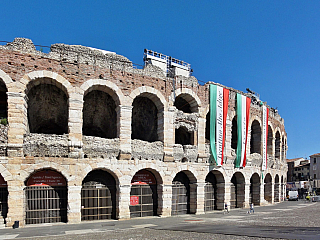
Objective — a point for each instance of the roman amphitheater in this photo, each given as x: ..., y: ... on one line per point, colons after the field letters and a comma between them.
x: 86, y: 135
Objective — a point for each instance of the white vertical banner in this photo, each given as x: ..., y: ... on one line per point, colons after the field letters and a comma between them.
x: 243, y: 129
x: 219, y: 125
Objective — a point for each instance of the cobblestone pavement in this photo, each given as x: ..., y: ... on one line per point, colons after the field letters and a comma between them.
x: 287, y: 220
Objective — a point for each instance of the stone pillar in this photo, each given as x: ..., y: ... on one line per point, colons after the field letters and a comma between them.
x: 75, y: 125
x: 200, y: 197
x: 169, y: 133
x: 15, y: 203
x: 272, y: 193
x: 166, y: 200
x: 202, y: 140
x: 74, y: 204
x: 124, y: 130
x: 193, y: 197
x: 262, y: 187
x: 124, y: 202
x: 227, y: 194
x: 17, y: 119
x: 246, y: 195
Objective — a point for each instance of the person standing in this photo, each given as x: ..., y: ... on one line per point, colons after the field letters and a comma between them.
x: 226, y: 207
x: 251, y: 208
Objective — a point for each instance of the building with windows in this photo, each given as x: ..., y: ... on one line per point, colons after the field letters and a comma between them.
x: 315, y: 166
x: 85, y: 135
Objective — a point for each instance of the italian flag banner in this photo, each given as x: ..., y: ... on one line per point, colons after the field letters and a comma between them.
x: 243, y: 111
x: 265, y: 115
x: 219, y: 99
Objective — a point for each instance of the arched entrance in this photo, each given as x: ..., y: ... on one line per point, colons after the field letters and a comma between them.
x: 268, y: 188
x: 255, y: 189
x: 46, y: 197
x: 180, y: 194
x: 143, y: 194
x: 98, y: 196
x: 3, y: 200
x: 237, y: 190
x: 276, y: 189
x: 214, y: 191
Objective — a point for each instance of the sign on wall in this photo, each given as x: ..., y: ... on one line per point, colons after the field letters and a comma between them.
x: 143, y: 177
x: 46, y: 178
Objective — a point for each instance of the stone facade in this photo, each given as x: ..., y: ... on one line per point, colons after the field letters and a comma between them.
x: 154, y: 126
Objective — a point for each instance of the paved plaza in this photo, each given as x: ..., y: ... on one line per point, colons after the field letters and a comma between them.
x: 286, y: 220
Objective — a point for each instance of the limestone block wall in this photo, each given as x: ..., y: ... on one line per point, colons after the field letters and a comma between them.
x: 77, y: 73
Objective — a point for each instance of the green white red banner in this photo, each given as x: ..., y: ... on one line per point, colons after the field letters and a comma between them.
x: 265, y: 115
x: 243, y: 113
x: 219, y: 99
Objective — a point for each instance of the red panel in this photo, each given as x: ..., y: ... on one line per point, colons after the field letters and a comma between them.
x: 3, y: 183
x: 143, y: 177
x: 134, y: 200
x: 46, y: 178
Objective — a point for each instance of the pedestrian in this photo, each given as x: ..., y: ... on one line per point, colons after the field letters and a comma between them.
x: 226, y: 207
x: 251, y: 208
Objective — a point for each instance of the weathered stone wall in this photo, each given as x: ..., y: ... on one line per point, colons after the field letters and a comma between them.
x: 97, y: 147
x: 146, y: 150
x: 3, y: 139
x: 45, y: 145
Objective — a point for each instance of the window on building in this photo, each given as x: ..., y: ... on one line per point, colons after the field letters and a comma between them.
x: 314, y: 160
x: 314, y: 176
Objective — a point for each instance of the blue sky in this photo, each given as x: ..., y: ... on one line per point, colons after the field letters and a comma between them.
x: 271, y: 47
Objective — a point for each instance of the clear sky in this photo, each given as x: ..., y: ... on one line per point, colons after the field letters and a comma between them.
x: 271, y: 47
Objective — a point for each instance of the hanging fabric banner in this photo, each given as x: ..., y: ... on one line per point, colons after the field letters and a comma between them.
x: 219, y: 99
x: 243, y: 111
x: 265, y: 115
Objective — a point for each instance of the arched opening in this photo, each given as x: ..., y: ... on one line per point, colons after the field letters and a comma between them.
x: 214, y: 191
x: 98, y: 196
x: 255, y: 142
x: 237, y: 190
x: 143, y: 194
x: 234, y: 133
x: 99, y: 115
x: 3, y: 200
x: 180, y: 194
x: 3, y: 118
x: 207, y: 136
x: 276, y: 189
x: 47, y: 109
x: 46, y: 197
x: 183, y: 137
x: 268, y: 188
x: 144, y: 120
x: 255, y: 189
x: 182, y: 104
x: 278, y: 144
x: 270, y: 140
x: 3, y: 103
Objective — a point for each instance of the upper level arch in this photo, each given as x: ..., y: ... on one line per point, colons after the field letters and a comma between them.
x: 46, y: 77
x: 106, y: 86
x: 5, y: 78
x: 47, y: 104
x: 153, y: 94
x: 186, y: 100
